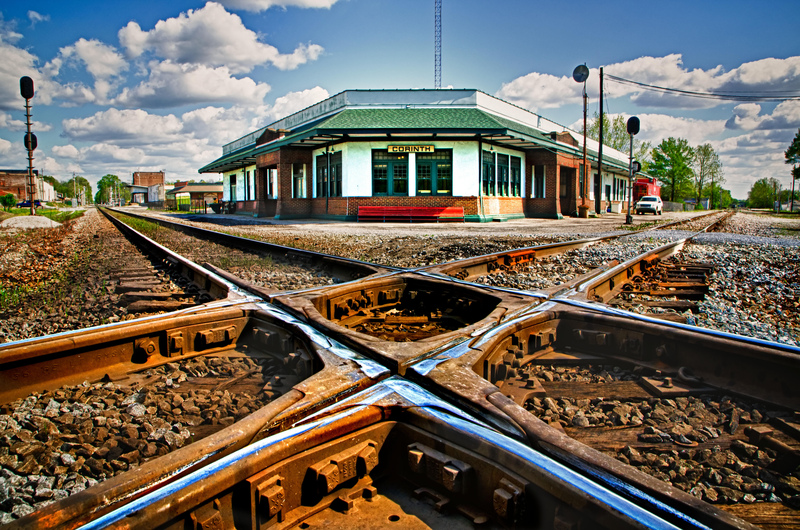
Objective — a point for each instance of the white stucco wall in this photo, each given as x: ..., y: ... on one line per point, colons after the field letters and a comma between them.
x: 357, y: 166
x: 240, y: 181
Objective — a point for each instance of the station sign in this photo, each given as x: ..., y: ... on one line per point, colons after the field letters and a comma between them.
x: 412, y: 148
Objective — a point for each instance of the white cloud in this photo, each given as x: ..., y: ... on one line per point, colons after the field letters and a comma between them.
x: 35, y: 18
x: 171, y: 84
x: 213, y: 37
x: 263, y: 5
x: 66, y: 151
x: 8, y: 122
x: 74, y: 94
x: 6, y: 148
x: 294, y: 101
x: 536, y: 90
x: 765, y: 75
x: 16, y: 63
x: 657, y: 127
x: 747, y: 116
x: 101, y: 60
x: 217, y: 126
x: 123, y: 127
x: 136, y: 139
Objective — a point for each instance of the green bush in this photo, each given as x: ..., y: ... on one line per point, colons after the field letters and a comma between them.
x: 7, y: 201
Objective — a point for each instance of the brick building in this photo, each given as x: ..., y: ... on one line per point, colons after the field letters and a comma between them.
x: 186, y: 195
x: 417, y: 148
x: 15, y: 182
x: 148, y: 178
x: 147, y: 187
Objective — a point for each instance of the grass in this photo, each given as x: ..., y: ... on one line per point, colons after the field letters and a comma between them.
x: 59, y: 216
x: 147, y: 228
x: 229, y: 262
x: 639, y: 226
x: 11, y: 296
x: 785, y: 215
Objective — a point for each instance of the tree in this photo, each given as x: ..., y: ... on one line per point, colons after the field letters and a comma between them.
x: 707, y: 170
x: 792, y: 155
x: 7, y: 201
x: 76, y: 187
x: 722, y: 197
x: 762, y: 193
x: 671, y: 165
x: 615, y: 135
x: 110, y: 186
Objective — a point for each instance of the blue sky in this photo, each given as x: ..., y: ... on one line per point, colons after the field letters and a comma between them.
x: 150, y: 85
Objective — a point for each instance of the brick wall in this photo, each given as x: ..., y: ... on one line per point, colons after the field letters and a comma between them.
x: 143, y: 178
x: 550, y: 206
x: 287, y: 206
x: 470, y: 204
x: 14, y: 183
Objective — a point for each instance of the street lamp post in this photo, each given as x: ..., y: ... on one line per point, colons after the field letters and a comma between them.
x: 633, y: 129
x: 580, y: 75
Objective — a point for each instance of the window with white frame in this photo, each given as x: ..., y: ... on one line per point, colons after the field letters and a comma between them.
x: 516, y: 176
x: 538, y: 182
x: 298, y: 181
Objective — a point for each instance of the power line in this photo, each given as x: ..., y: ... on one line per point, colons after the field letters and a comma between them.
x: 732, y: 96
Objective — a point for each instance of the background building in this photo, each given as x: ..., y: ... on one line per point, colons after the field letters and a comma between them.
x: 193, y: 196
x: 16, y: 182
x: 417, y: 148
x: 148, y: 187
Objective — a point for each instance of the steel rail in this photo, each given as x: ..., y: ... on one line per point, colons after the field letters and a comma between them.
x: 346, y: 269
x: 401, y: 402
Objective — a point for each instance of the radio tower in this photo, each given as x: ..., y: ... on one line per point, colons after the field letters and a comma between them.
x: 437, y: 69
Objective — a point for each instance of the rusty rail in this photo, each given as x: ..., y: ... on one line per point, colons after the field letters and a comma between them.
x: 341, y: 441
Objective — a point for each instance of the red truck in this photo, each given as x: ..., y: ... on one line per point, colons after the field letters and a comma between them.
x: 644, y: 186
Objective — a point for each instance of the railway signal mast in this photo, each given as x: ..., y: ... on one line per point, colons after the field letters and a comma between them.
x: 26, y: 90
x: 437, y: 43
x: 633, y: 129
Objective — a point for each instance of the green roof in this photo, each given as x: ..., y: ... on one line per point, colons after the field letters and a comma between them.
x: 446, y: 118
x: 367, y: 120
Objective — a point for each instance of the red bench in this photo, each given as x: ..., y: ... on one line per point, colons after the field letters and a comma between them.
x: 411, y: 213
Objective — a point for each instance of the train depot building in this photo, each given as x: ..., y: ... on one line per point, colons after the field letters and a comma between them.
x: 457, y: 148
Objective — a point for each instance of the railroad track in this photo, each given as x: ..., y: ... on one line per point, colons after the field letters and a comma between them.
x: 472, y: 428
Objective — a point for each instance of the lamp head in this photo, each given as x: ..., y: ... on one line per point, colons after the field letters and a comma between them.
x: 581, y: 73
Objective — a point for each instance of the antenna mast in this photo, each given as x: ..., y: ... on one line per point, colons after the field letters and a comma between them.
x: 437, y: 69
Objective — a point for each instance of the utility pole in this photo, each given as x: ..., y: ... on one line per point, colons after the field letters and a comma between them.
x: 437, y: 44
x: 711, y: 206
x: 599, y: 191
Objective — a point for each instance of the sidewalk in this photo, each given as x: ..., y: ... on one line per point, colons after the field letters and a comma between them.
x: 604, y: 224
